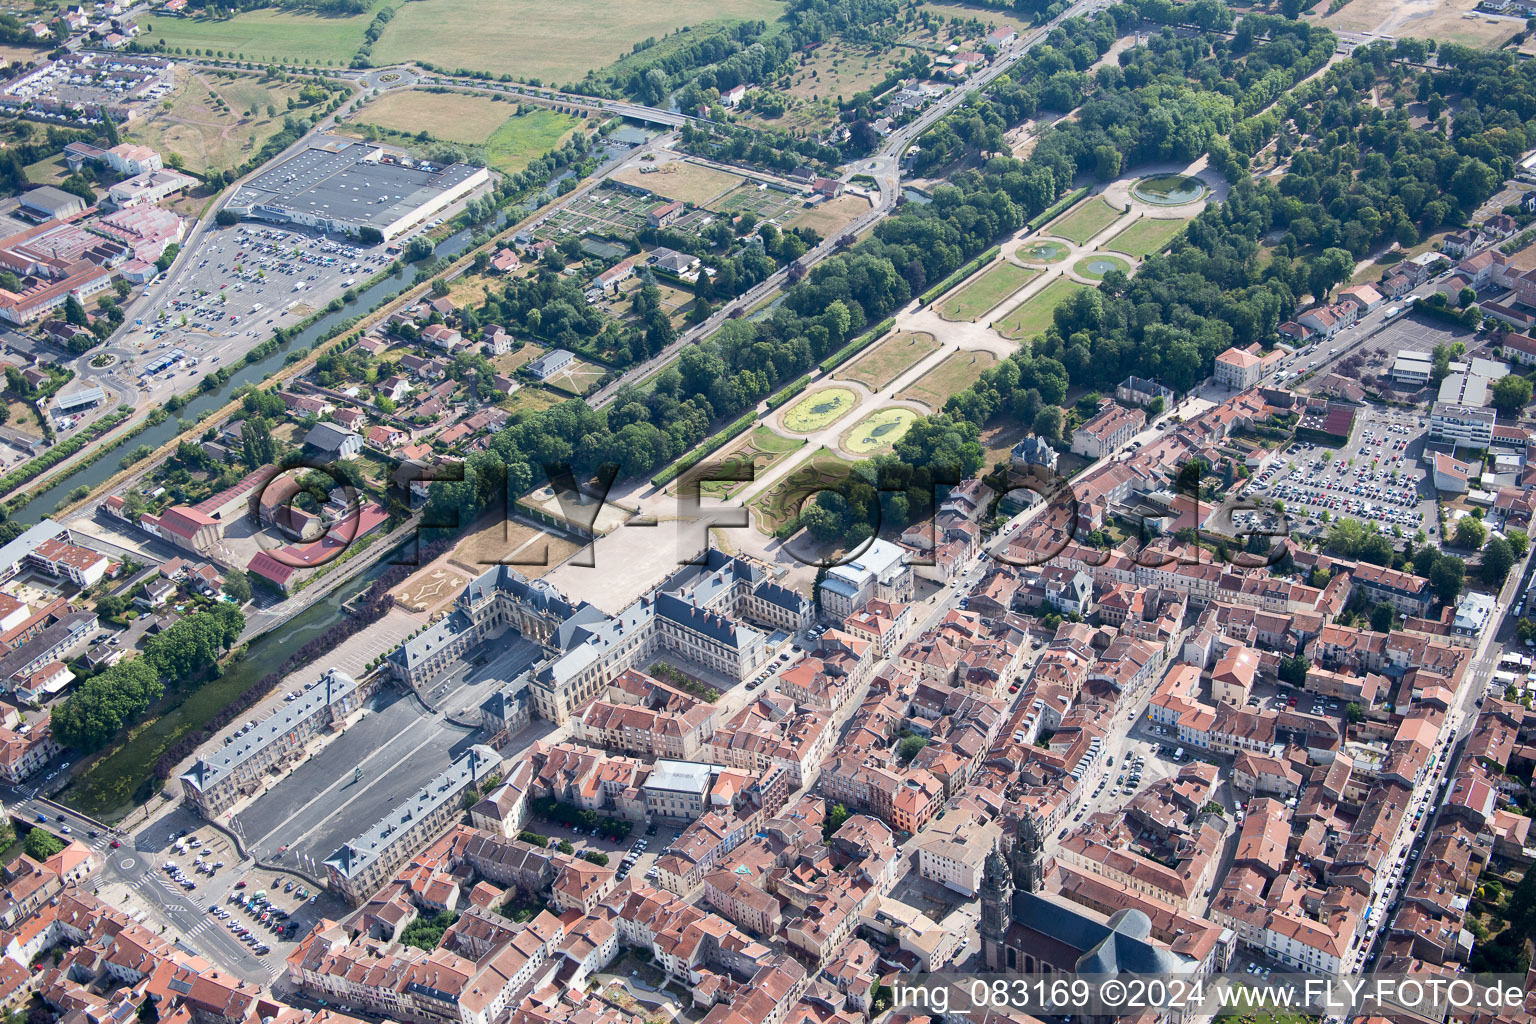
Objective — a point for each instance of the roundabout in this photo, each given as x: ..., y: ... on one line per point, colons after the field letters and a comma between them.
x: 1168, y: 190
x: 1093, y: 268
x: 878, y: 431
x: 1045, y: 250
x: 819, y: 409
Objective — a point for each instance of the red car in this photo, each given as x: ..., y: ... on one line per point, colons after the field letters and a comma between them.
x: 240, y: 885
x: 117, y: 844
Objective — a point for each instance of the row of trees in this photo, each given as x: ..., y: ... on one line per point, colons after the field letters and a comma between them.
x: 120, y: 694
x: 1215, y: 288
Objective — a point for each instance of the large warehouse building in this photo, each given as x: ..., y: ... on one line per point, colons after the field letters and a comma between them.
x: 345, y: 185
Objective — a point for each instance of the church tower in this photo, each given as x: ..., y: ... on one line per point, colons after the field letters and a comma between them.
x: 996, y: 895
x: 1025, y: 855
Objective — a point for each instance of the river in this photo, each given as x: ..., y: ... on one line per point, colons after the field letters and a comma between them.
x: 42, y: 504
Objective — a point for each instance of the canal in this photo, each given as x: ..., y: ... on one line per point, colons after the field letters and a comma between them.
x: 42, y: 503
x: 124, y: 777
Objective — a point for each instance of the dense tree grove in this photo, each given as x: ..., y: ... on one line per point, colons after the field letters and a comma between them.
x: 1381, y: 181
x: 103, y: 703
x: 737, y: 54
x: 120, y: 694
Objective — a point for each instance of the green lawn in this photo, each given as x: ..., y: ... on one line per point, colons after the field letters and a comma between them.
x: 888, y: 360
x: 266, y: 34
x: 524, y: 138
x: 879, y: 430
x: 1262, y: 1014
x: 984, y: 292
x: 1146, y: 236
x: 819, y: 409
x: 761, y: 450
x: 555, y: 43
x: 1033, y: 315
x: 48, y: 171
x: 1084, y: 220
x: 957, y: 372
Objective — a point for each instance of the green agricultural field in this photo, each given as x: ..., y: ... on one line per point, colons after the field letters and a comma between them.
x: 761, y: 450
x: 511, y: 141
x: 890, y: 359
x: 268, y: 34
x: 1146, y: 236
x: 819, y: 409
x: 1084, y: 220
x: 449, y: 116
x: 878, y: 431
x: 1033, y: 315
x: 953, y: 375
x: 521, y: 140
x: 984, y: 292
x: 555, y: 43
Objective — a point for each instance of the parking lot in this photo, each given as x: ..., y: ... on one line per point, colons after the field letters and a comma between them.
x: 635, y: 854
x: 263, y: 911
x: 1377, y: 477
x: 245, y: 281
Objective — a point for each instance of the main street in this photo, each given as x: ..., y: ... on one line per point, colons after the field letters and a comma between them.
x: 1397, y: 867
x: 175, y: 914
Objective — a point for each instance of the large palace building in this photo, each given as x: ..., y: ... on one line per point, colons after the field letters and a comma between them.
x: 699, y: 614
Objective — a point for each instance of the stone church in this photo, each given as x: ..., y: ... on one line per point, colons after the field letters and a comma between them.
x: 1024, y: 931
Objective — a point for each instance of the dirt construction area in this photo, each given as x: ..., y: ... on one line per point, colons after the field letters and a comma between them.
x: 493, y: 540
x: 1447, y: 21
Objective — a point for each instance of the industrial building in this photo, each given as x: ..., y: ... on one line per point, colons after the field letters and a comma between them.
x: 346, y: 185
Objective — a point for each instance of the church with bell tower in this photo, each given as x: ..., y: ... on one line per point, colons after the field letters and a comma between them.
x: 1024, y: 931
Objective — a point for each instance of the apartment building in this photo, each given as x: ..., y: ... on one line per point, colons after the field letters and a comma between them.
x: 1109, y: 430
x: 1238, y: 369
x: 217, y: 780
x: 359, y: 867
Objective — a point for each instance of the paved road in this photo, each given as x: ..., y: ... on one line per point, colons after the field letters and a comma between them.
x: 1390, y: 882
x: 176, y: 914
x: 884, y: 167
x: 326, y: 801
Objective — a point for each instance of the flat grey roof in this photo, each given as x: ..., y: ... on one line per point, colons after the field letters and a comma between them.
x: 335, y: 179
x: 679, y: 777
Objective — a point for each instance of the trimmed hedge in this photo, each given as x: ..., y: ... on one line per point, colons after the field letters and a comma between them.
x: 33, y: 468
x: 710, y: 444
x: 715, y: 441
x: 1055, y: 211
x: 857, y: 345
x: 959, y: 275
x: 789, y: 391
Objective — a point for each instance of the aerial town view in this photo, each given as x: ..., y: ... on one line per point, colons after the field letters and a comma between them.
x: 767, y: 511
